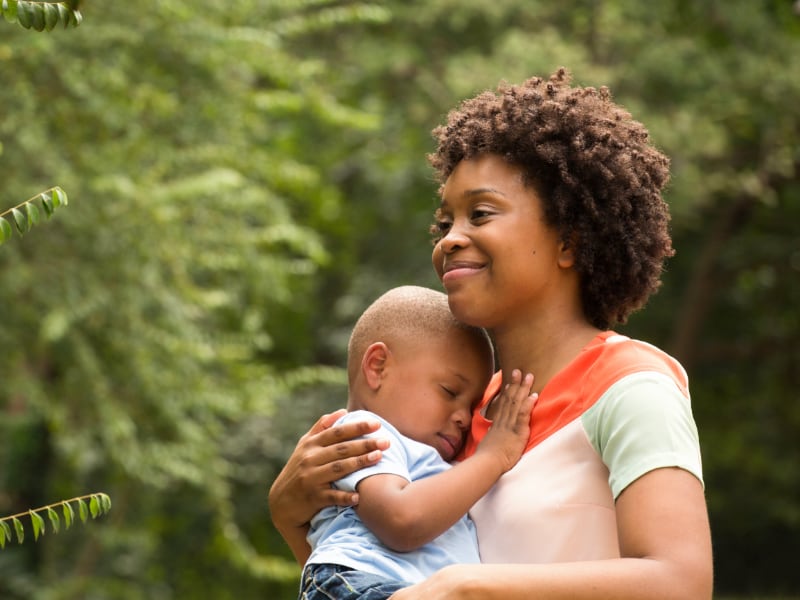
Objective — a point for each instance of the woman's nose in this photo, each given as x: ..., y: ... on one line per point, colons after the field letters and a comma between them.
x: 454, y: 239
x: 451, y: 241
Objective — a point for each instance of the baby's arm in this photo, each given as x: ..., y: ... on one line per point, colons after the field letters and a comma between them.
x: 405, y: 515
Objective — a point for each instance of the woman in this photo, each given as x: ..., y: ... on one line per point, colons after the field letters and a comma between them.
x: 551, y: 230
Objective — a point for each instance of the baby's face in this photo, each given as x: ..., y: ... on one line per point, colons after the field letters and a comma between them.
x: 433, y: 388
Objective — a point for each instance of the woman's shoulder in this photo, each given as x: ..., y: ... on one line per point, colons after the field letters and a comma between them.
x: 616, y: 356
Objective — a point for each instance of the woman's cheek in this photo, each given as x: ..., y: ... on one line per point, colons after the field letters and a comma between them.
x: 437, y: 257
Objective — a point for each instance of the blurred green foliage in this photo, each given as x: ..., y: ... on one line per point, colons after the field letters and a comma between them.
x: 247, y: 176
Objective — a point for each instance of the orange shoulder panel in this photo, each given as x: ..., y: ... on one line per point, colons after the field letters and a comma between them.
x: 605, y: 360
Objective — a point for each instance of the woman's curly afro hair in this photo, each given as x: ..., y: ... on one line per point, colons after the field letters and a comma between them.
x: 598, y: 175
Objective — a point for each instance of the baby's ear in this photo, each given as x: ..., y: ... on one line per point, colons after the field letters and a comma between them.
x: 373, y: 364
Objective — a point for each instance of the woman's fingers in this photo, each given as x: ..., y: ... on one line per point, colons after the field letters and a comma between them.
x: 346, y: 432
x: 325, y: 421
x: 335, y: 462
x: 323, y: 455
x: 343, y: 450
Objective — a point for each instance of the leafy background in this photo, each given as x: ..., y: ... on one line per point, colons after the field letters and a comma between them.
x: 244, y: 177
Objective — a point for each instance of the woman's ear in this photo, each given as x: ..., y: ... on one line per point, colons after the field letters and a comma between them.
x: 566, y: 253
x: 373, y: 364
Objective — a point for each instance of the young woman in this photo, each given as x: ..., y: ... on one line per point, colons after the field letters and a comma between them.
x: 551, y: 230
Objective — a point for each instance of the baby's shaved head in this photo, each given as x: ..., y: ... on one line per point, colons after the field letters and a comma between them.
x: 406, y: 314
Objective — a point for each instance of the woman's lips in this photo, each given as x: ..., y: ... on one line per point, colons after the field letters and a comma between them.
x: 454, y: 272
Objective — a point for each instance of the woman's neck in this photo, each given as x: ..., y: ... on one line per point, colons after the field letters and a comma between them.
x: 542, y: 348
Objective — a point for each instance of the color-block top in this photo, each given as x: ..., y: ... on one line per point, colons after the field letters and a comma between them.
x: 617, y: 411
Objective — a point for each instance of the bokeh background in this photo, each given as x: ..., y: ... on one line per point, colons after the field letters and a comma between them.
x: 246, y: 176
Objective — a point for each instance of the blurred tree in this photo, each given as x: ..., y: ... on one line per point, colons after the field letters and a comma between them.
x: 167, y: 311
x: 251, y: 174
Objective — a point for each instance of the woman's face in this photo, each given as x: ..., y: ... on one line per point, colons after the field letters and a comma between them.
x: 498, y: 259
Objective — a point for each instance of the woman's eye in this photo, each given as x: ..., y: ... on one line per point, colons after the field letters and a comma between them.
x: 450, y: 392
x: 439, y: 229
x: 478, y: 214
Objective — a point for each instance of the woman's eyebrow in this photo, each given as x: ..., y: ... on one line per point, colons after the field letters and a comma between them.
x: 485, y: 190
x: 478, y: 192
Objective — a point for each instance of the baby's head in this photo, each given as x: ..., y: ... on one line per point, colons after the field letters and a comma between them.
x: 412, y: 363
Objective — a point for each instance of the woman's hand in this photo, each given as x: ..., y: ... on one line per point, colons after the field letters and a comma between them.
x: 323, y: 455
x: 445, y: 584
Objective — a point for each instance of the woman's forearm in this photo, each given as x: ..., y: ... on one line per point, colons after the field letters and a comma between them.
x: 295, y: 538
x: 664, y: 538
x: 620, y: 579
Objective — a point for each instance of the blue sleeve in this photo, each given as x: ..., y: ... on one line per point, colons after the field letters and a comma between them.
x: 395, y: 460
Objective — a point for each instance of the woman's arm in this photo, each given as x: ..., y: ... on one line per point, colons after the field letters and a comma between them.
x: 665, y: 544
x: 323, y: 455
x: 404, y: 514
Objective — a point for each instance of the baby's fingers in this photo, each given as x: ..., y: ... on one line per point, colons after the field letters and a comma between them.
x: 515, y: 402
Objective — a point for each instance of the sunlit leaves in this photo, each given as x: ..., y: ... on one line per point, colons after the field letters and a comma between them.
x: 93, y: 505
x: 5, y: 230
x: 28, y: 213
x: 54, y: 519
x: 40, y: 16
x: 69, y: 515
x: 38, y: 524
x: 19, y: 529
x: 82, y: 511
x: 5, y: 533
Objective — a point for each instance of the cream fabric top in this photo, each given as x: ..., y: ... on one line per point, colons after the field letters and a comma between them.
x: 620, y: 410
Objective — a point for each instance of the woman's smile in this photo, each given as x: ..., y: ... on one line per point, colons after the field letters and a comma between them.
x: 455, y: 270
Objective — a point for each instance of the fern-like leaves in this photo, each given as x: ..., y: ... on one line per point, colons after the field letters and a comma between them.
x: 41, y: 16
x: 92, y: 505
x: 29, y: 213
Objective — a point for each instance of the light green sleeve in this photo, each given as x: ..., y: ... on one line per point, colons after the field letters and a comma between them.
x: 641, y: 423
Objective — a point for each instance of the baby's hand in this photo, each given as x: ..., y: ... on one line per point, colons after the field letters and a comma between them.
x: 508, y: 434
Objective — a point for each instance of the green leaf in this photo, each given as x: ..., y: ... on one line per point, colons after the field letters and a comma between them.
x: 20, y: 530
x: 33, y: 214
x: 94, y: 507
x: 72, y: 15
x: 64, y: 13
x: 105, y: 502
x: 69, y: 515
x: 55, y: 521
x: 61, y: 195
x: 83, y: 511
x: 47, y: 203
x: 5, y: 534
x: 38, y: 524
x: 25, y: 14
x: 20, y: 220
x: 58, y: 197
x: 5, y: 230
x: 10, y: 10
x: 51, y: 15
x: 38, y: 16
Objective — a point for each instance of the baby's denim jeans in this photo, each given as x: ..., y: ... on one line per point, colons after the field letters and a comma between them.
x: 334, y: 582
